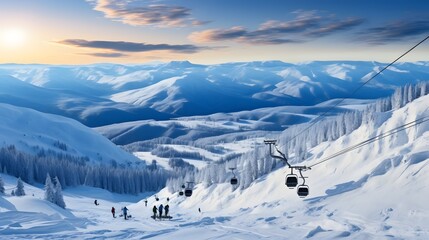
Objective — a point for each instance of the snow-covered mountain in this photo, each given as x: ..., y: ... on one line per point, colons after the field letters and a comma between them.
x: 90, y: 110
x: 190, y: 129
x: 186, y: 89
x: 377, y: 191
x: 33, y: 144
x: 31, y: 131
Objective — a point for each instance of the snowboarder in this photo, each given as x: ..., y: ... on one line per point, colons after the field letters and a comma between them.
x: 125, y: 211
x: 113, y: 212
x: 96, y: 202
x: 166, y: 208
x: 145, y: 202
x: 160, y: 208
x: 154, y: 209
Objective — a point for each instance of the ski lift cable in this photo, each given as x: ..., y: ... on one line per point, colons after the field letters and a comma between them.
x: 321, y: 116
x: 373, y: 139
x: 376, y: 138
x: 388, y: 133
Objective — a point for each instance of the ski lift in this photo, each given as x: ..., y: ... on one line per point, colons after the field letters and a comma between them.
x: 303, y: 190
x: 234, y: 180
x: 291, y: 179
x: 188, y: 190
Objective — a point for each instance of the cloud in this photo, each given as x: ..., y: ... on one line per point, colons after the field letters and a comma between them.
x: 108, y: 55
x: 395, y: 31
x: 301, y: 29
x: 138, y: 13
x: 121, y: 46
x: 334, y: 27
x: 218, y: 34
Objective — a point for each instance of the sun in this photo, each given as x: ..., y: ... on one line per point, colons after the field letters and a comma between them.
x: 12, y: 37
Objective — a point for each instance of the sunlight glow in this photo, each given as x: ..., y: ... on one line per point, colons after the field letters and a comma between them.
x: 13, y: 37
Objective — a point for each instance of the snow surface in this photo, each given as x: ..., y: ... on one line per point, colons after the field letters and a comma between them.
x: 31, y: 131
x: 376, y: 192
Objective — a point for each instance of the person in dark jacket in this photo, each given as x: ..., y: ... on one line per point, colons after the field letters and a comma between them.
x: 160, y: 208
x: 125, y: 211
x: 154, y: 209
x: 113, y: 212
x: 166, y: 208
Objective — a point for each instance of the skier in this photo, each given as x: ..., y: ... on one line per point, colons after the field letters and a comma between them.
x: 125, y: 211
x: 199, y: 210
x: 145, y: 202
x: 160, y: 208
x: 113, y: 212
x: 96, y: 202
x: 154, y: 209
x: 166, y: 208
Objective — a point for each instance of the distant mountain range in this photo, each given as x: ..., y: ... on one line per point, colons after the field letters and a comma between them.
x: 103, y: 94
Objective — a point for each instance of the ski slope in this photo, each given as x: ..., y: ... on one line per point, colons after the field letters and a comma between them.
x: 31, y: 131
x: 378, y: 191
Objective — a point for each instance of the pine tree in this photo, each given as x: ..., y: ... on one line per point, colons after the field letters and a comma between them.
x: 58, y: 198
x: 49, y: 189
x: 19, y: 188
x: 1, y: 186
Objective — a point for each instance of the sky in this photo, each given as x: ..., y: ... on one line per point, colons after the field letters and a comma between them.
x: 210, y: 31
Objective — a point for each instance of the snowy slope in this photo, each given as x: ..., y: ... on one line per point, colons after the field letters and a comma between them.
x: 30, y: 131
x: 376, y: 192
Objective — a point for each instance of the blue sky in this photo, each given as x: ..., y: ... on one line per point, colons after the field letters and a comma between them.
x: 210, y: 31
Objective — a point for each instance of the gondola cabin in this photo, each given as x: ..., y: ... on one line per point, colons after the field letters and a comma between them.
x: 234, y: 181
x: 291, y: 180
x: 188, y: 192
x: 303, y: 191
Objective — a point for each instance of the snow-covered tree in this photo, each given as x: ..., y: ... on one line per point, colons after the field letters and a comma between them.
x: 1, y: 185
x: 58, y: 197
x: 19, y: 188
x: 49, y: 189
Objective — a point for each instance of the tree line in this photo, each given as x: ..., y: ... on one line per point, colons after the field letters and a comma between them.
x: 75, y: 171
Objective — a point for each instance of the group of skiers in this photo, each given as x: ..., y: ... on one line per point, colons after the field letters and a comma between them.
x: 160, y: 209
x: 124, y: 212
x: 155, y: 210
